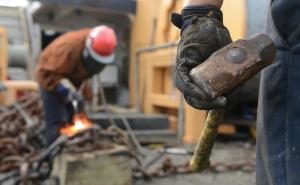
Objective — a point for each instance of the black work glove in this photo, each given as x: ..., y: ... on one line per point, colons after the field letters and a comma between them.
x: 202, y: 33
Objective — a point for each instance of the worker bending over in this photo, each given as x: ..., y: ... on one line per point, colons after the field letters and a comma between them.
x: 278, y: 122
x: 76, y: 56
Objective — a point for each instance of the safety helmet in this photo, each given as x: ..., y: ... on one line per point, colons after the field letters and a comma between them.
x: 99, y: 48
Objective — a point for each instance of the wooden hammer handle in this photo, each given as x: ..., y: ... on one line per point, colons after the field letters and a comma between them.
x: 200, y: 159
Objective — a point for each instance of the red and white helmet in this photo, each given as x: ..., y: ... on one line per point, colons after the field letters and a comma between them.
x: 101, y: 44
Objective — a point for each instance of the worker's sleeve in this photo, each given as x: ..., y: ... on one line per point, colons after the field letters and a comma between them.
x: 53, y: 65
x: 48, y: 79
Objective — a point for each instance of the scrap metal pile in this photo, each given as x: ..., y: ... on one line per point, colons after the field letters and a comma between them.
x: 20, y: 132
x: 24, y: 156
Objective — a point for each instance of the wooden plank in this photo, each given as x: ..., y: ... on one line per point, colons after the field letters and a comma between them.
x: 147, y: 105
x: 194, y: 123
x: 3, y: 54
x: 169, y: 87
x: 163, y: 22
x: 141, y: 35
x: 162, y: 58
x: 163, y: 100
x: 235, y: 17
x: 144, y: 77
x: 157, y: 80
x: 21, y: 85
x: 173, y: 122
x: 166, y: 32
x: 174, y: 32
x: 9, y: 96
x: 227, y: 129
x: 157, y: 64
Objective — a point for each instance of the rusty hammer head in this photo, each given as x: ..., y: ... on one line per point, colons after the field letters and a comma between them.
x: 233, y: 65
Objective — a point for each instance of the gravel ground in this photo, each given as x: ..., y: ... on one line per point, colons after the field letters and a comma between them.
x: 223, y: 152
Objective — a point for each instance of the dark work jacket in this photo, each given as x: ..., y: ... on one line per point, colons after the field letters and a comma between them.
x: 278, y: 122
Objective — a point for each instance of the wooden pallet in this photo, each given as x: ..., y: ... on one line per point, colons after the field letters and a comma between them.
x: 161, y: 95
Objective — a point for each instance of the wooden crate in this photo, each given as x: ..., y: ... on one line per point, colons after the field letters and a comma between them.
x: 3, y: 54
x: 105, y: 167
x: 161, y: 96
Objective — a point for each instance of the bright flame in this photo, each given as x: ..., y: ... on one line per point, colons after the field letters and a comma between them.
x: 79, y: 125
x: 80, y: 122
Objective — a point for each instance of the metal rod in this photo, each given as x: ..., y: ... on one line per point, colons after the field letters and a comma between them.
x: 28, y: 120
x: 137, y: 66
x: 123, y: 119
x: 133, y: 137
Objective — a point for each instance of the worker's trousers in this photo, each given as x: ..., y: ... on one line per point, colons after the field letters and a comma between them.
x: 55, y: 112
x: 278, y: 124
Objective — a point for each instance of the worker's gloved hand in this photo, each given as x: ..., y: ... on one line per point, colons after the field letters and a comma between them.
x: 202, y: 33
x: 67, y: 95
x: 72, y: 100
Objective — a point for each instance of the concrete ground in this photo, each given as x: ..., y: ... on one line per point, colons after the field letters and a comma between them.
x: 232, y: 178
x: 228, y: 153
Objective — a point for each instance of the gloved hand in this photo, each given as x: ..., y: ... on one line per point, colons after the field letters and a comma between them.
x: 70, y: 98
x: 202, y: 33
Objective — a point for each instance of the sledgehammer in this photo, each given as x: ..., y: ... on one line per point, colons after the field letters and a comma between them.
x: 224, y: 70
